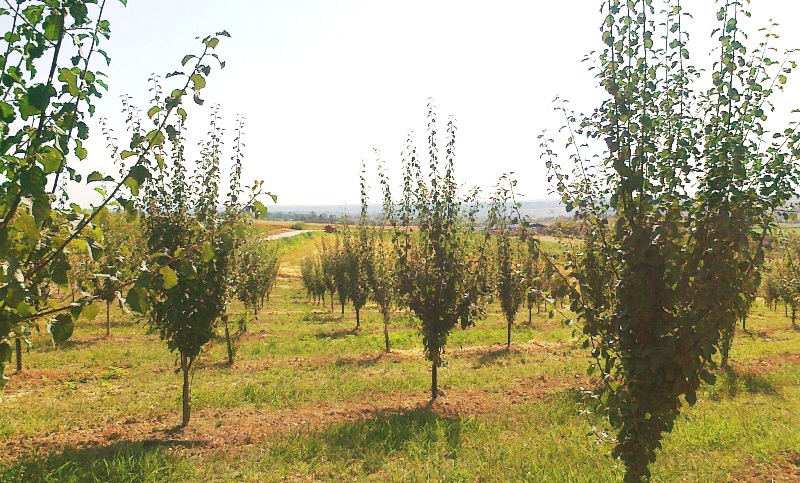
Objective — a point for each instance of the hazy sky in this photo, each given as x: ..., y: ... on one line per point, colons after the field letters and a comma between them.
x: 323, y: 82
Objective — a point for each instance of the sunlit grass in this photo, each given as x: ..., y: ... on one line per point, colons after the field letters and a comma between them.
x: 299, y: 357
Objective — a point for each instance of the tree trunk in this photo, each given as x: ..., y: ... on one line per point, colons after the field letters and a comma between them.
x: 18, y: 347
x: 108, y: 318
x: 725, y: 349
x: 794, y: 316
x: 228, y: 342
x: 342, y: 308
x: 508, y: 344
x: 434, y: 378
x: 386, y: 332
x: 186, y: 366
x: 358, y: 317
x: 744, y: 323
x: 332, y: 309
x: 530, y: 314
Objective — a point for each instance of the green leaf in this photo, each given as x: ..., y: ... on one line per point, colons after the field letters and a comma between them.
x: 52, y: 26
x: 126, y: 154
x: 199, y: 81
x: 89, y: 312
x: 136, y: 178
x: 50, y: 158
x: 25, y: 108
x: 108, y: 62
x: 5, y: 354
x: 153, y: 111
x: 155, y: 137
x: 139, y: 173
x: 95, y: 176
x: 61, y: 328
x: 60, y: 272
x: 71, y: 79
x: 137, y: 300
x: 260, y: 209
x: 7, y: 114
x: 240, y: 230
x: 79, y: 12
x: 207, y: 253
x: 97, y: 250
x: 26, y: 224
x: 39, y: 96
x: 25, y: 309
x: 33, y: 14
x: 80, y: 151
x: 170, y: 277
x: 782, y: 79
x: 83, y: 130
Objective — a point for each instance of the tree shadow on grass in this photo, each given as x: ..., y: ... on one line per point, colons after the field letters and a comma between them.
x: 734, y: 381
x: 365, y: 361
x: 322, y: 317
x: 146, y: 461
x: 76, y: 343
x: 492, y: 356
x: 369, y: 443
x: 336, y: 334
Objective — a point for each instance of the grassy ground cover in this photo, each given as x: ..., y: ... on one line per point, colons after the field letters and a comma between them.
x: 309, y: 399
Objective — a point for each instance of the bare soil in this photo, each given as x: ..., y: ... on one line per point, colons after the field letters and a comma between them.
x: 784, y: 469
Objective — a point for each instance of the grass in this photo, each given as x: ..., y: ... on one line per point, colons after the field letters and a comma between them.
x: 310, y: 399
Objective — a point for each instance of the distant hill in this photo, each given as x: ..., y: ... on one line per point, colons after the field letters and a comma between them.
x: 543, y: 209
x: 534, y: 209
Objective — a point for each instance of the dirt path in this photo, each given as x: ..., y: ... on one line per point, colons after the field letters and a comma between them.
x: 288, y: 234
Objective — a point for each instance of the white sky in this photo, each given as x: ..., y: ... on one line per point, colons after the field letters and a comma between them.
x: 323, y: 82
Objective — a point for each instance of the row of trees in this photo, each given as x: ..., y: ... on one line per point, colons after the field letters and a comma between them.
x: 360, y: 266
x: 781, y: 281
x: 257, y: 264
x: 517, y: 276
